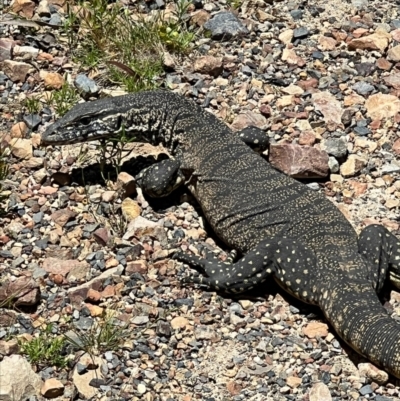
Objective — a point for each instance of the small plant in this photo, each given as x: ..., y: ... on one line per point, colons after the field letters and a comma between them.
x: 4, y: 171
x: 99, y: 33
x: 63, y: 99
x: 103, y: 336
x: 235, y: 4
x: 45, y: 349
x: 32, y: 105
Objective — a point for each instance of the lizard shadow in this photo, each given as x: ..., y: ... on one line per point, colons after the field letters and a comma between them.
x: 96, y: 173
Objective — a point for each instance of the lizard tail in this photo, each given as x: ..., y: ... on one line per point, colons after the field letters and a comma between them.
x: 357, y: 315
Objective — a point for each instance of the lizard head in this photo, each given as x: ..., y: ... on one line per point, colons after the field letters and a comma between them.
x: 86, y: 122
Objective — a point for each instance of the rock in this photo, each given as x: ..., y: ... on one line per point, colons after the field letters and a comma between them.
x: 52, y: 80
x: 315, y: 329
x: 301, y: 32
x: 293, y: 90
x: 393, y: 54
x: 247, y: 119
x: 353, y: 165
x: 102, y: 236
x: 290, y: 56
x: 16, y: 70
x: 79, y: 293
x: 335, y: 147
x: 326, y: 43
x: 9, y: 347
x: 126, y: 183
x: 377, y: 41
x: 286, y: 36
x: 372, y: 372
x: 19, y: 130
x: 93, y: 296
x: 363, y: 88
x: 307, y: 138
x: 383, y: 64
x: 200, y: 17
x: 293, y: 381
x: 179, y: 322
x: 6, y: 46
x: 52, y: 388
x: 320, y: 392
x: 299, y: 161
x: 24, y: 8
x: 18, y: 380
x: 136, y: 266
x: 130, y: 209
x: 43, y: 9
x: 32, y: 120
x: 95, y: 310
x: 86, y: 85
x: 62, y: 216
x: 225, y: 26
x: 21, y: 148
x: 208, y: 65
x: 82, y: 380
x: 381, y: 106
x: 139, y: 227
x: 64, y: 267
x: 21, y: 292
x: 330, y: 108
x: 396, y: 147
x: 393, y: 80
x: 392, y: 203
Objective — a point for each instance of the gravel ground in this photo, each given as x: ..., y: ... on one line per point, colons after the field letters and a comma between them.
x: 323, y: 80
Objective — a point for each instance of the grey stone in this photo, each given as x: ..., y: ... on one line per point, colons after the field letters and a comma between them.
x: 86, y: 85
x: 225, y: 26
x: 336, y: 147
x: 363, y: 88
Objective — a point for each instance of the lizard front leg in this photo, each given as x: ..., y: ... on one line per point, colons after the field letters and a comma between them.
x: 291, y: 263
x: 160, y: 179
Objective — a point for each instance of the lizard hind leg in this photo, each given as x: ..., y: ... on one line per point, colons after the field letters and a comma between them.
x: 382, y: 250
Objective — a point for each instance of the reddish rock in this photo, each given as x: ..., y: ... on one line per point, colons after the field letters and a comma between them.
x: 393, y: 80
x: 136, y: 266
x: 102, y: 236
x: 209, y: 65
x: 200, y: 17
x: 126, y: 183
x: 6, y: 46
x: 307, y: 138
x: 359, y: 188
x: 247, y: 119
x: 396, y: 147
x: 308, y: 83
x: 326, y: 43
x: 63, y: 267
x: 265, y: 110
x: 16, y: 70
x: 93, y: 296
x: 383, y: 64
x: 25, y: 8
x: 21, y: 292
x: 299, y: 161
x: 377, y: 41
x: 62, y: 216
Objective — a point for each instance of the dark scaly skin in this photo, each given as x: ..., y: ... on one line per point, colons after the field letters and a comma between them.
x: 282, y: 227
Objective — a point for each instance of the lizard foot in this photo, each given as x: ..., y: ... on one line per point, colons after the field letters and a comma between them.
x: 213, y: 272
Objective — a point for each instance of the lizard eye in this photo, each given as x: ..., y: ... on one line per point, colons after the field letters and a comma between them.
x: 85, y: 121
